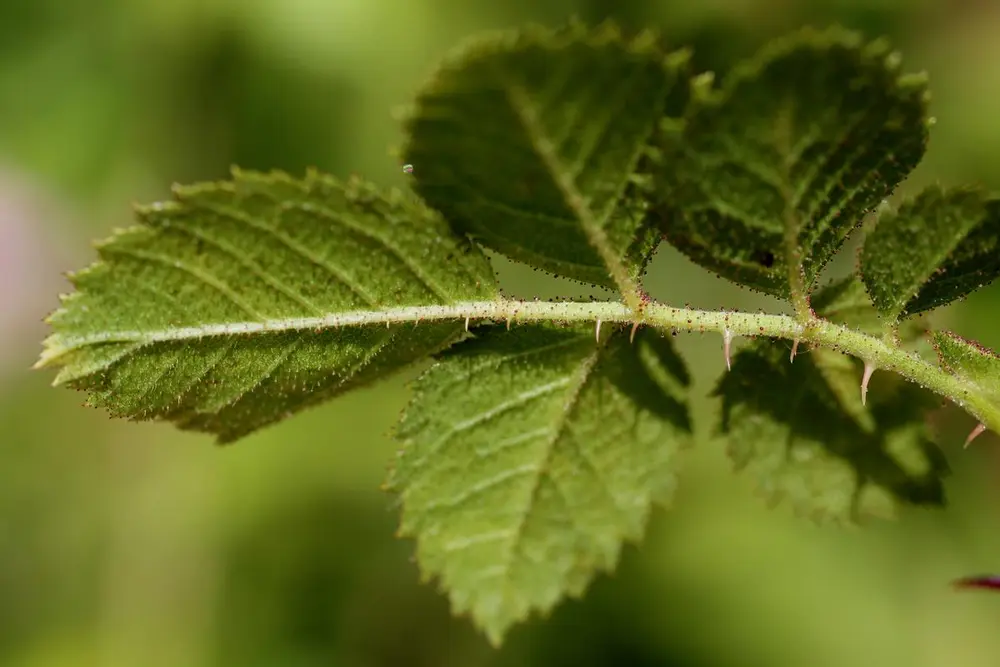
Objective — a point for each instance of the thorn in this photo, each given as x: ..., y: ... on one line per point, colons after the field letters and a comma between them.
x: 631, y: 336
x: 597, y: 331
x: 869, y: 369
x: 508, y: 324
x: 387, y: 324
x: 467, y: 324
x: 976, y: 432
x: 795, y: 348
x: 727, y: 343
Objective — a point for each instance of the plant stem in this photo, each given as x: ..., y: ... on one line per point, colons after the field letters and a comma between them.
x: 877, y: 351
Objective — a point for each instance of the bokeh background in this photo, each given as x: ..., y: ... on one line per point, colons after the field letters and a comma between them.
x: 128, y: 545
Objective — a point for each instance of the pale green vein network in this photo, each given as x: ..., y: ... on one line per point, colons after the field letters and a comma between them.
x: 243, y: 302
x: 336, y: 272
x: 520, y: 481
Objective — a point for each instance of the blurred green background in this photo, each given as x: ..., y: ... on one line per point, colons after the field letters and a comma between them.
x: 127, y: 545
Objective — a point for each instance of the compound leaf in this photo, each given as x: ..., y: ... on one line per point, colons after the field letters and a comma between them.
x: 243, y: 302
x: 938, y: 247
x: 529, y: 456
x: 773, y: 171
x: 528, y: 141
x: 800, y: 429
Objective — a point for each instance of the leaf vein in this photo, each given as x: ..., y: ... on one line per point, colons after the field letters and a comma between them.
x: 335, y: 272
x: 253, y: 267
x: 202, y: 276
x: 401, y: 256
x: 577, y: 382
x: 487, y: 415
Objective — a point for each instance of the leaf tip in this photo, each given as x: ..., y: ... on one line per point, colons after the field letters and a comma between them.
x: 52, y: 351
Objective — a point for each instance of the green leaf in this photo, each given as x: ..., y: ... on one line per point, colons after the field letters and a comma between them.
x: 243, y: 302
x: 773, y: 172
x: 970, y: 360
x: 801, y: 430
x: 529, y: 456
x: 938, y: 247
x: 845, y: 301
x: 528, y: 141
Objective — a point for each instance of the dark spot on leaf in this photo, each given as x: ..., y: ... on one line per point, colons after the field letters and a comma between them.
x: 764, y: 257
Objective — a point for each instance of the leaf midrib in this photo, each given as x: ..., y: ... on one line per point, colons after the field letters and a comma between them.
x: 527, y: 115
x: 782, y: 139
x: 579, y: 381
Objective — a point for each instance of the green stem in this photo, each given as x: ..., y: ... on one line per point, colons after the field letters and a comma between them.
x: 877, y: 351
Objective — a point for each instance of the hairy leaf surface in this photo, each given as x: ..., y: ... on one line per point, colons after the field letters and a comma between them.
x: 774, y: 170
x: 936, y: 248
x: 845, y: 301
x: 243, y: 302
x: 805, y: 433
x: 801, y: 430
x: 970, y: 360
x: 528, y: 141
x: 530, y: 455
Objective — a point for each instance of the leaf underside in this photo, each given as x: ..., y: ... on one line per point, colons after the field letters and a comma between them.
x: 530, y: 455
x: 938, y: 247
x: 801, y: 430
x: 800, y: 426
x: 527, y: 141
x: 773, y: 172
x: 218, y: 312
